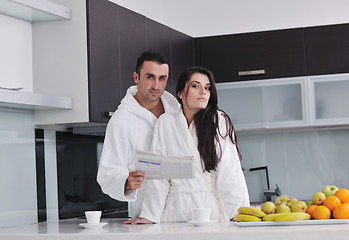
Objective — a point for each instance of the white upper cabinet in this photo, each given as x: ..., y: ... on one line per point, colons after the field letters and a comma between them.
x: 288, y: 103
x: 329, y: 99
x: 276, y: 103
x: 34, y: 10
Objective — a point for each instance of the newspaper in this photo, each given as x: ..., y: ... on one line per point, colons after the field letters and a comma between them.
x: 164, y: 167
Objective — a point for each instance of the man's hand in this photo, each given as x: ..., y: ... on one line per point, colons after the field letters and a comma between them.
x: 134, y: 180
x: 138, y: 221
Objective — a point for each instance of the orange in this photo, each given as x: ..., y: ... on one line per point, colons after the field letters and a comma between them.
x: 311, y: 209
x: 341, y: 212
x: 331, y: 202
x: 321, y: 212
x: 343, y: 195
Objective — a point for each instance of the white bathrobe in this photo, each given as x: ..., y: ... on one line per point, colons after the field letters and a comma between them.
x: 129, y: 130
x: 223, y: 190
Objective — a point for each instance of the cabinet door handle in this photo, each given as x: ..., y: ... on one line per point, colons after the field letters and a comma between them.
x: 252, y: 72
x: 109, y: 114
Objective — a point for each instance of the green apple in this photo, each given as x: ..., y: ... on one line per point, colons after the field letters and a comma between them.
x: 299, y: 206
x: 277, y: 202
x: 318, y: 198
x: 329, y: 190
x: 291, y: 201
x: 309, y: 203
x: 282, y: 208
x: 268, y: 207
x: 284, y: 198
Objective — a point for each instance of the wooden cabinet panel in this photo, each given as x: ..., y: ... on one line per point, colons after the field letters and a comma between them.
x: 132, y: 30
x: 158, y: 38
x: 182, y: 57
x: 278, y: 53
x: 327, y: 49
x: 103, y: 59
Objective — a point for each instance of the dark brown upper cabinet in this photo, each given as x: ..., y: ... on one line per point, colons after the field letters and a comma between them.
x: 133, y: 41
x: 327, y: 49
x: 182, y: 57
x: 116, y: 37
x: 103, y: 59
x: 158, y: 38
x: 252, y: 56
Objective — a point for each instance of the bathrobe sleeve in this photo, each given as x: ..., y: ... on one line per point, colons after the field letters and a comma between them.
x: 231, y: 183
x: 157, y: 189
x: 113, y: 167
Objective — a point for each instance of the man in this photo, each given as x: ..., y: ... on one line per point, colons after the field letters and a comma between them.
x: 131, y: 129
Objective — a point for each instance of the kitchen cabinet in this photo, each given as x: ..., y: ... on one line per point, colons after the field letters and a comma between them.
x: 33, y: 101
x: 286, y: 103
x: 133, y: 41
x: 182, y: 57
x: 158, y: 38
x: 34, y: 11
x: 252, y: 56
x: 327, y: 49
x: 329, y: 99
x: 104, y: 63
x: 268, y: 104
x: 94, y: 57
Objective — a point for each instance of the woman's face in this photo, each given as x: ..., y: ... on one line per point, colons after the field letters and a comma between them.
x: 196, y: 93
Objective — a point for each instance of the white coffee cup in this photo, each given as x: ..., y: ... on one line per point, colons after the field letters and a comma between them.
x: 201, y: 214
x: 93, y: 217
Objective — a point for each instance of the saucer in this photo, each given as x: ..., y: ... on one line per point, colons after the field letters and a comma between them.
x: 205, y: 223
x: 90, y: 226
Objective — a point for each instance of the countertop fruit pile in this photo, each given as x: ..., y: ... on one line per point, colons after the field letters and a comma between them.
x: 331, y: 202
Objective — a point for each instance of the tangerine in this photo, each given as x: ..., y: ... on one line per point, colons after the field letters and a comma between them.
x: 321, y: 212
x: 343, y: 195
x: 341, y: 212
x: 331, y: 202
x: 311, y: 209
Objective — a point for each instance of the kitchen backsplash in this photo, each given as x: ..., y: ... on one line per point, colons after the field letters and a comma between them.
x: 300, y: 163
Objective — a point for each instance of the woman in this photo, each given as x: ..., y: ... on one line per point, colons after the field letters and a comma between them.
x: 205, y: 132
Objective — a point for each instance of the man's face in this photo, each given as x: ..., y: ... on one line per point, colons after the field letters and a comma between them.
x: 151, y: 81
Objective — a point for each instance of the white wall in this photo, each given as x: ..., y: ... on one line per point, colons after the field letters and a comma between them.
x: 15, y: 54
x: 199, y: 18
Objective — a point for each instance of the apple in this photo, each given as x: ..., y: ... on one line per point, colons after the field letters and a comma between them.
x: 268, y: 207
x: 318, y: 198
x: 329, y: 190
x: 284, y: 198
x: 277, y: 202
x: 299, y: 206
x: 291, y: 201
x: 282, y: 208
x: 309, y: 203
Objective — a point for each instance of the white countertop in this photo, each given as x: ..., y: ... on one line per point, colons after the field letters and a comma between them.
x: 70, y: 229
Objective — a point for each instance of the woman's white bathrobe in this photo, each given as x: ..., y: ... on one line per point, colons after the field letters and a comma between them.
x: 223, y: 190
x: 129, y: 130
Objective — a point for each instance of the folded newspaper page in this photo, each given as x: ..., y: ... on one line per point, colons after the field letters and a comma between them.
x: 165, y: 167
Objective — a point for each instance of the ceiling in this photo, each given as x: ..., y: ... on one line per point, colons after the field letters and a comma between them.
x: 199, y: 18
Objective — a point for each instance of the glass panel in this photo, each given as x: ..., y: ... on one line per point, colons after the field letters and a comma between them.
x: 262, y: 104
x: 17, y: 169
x: 300, y: 163
x: 331, y: 99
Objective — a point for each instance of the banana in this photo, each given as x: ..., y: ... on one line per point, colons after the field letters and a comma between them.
x: 246, y: 218
x: 294, y: 216
x: 251, y: 211
x: 270, y: 217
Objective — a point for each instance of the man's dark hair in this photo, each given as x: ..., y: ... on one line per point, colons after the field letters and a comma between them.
x: 150, y: 56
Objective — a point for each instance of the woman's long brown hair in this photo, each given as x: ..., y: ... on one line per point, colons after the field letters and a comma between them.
x: 207, y: 121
